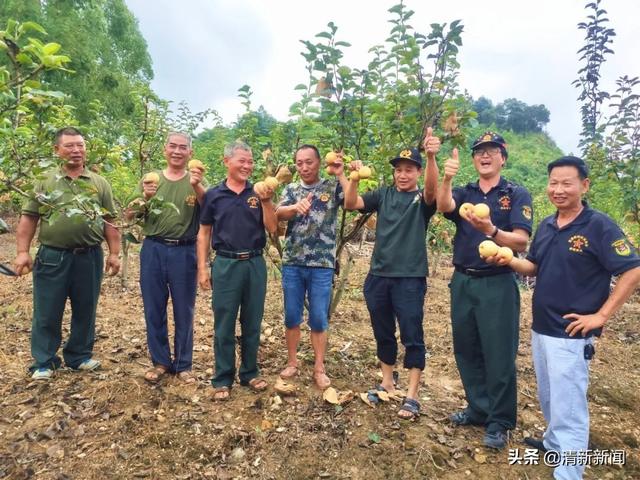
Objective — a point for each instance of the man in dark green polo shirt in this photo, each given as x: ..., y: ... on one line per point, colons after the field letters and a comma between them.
x: 396, y: 285
x: 69, y: 261
x: 234, y: 217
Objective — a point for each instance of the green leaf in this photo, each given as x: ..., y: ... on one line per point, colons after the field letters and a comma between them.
x: 26, y: 26
x: 51, y: 48
x: 374, y: 437
x: 324, y: 35
x: 24, y: 59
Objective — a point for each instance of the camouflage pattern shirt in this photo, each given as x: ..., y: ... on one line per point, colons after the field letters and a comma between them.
x: 310, y: 240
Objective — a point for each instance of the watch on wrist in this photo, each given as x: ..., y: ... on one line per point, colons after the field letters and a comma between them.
x: 495, y: 232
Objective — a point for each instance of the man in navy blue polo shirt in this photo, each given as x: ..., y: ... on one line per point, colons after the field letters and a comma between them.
x: 233, y: 221
x: 574, y: 254
x: 485, y: 300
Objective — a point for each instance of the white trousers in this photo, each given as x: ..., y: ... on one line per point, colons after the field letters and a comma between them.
x: 562, y: 374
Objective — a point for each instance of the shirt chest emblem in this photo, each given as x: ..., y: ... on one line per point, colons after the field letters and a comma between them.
x: 324, y: 197
x: 253, y: 202
x: 505, y: 202
x: 577, y: 243
x: 190, y: 200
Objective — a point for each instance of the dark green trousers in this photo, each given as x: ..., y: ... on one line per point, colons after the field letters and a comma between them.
x: 485, y: 318
x: 237, y: 285
x: 58, y: 275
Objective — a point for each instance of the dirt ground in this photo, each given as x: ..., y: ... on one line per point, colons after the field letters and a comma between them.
x: 111, y: 424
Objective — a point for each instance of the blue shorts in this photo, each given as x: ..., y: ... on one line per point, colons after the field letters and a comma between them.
x: 314, y: 283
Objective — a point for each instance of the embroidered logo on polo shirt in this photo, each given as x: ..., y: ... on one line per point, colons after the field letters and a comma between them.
x: 526, y: 212
x: 253, y: 202
x: 190, y: 200
x: 505, y: 202
x: 621, y: 247
x: 577, y: 243
x: 324, y: 197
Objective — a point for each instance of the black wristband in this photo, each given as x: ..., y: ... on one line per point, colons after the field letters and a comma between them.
x: 495, y: 232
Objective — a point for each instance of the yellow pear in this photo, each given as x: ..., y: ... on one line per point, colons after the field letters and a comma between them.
x: 505, y: 253
x: 331, y: 158
x: 283, y: 175
x: 272, y: 182
x: 151, y: 177
x: 481, y: 210
x: 364, y: 172
x: 196, y: 164
x: 354, y: 176
x: 464, y: 210
x: 488, y: 248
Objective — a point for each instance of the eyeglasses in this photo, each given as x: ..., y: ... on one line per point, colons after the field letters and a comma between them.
x: 491, y: 151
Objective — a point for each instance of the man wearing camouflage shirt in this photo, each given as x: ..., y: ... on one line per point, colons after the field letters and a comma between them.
x: 311, y: 209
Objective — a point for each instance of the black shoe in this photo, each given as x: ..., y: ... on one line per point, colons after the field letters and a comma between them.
x: 462, y: 418
x: 535, y: 443
x: 497, y: 440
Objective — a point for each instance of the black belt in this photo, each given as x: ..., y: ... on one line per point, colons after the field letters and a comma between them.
x: 74, y: 250
x: 244, y: 255
x: 173, y: 242
x: 479, y: 273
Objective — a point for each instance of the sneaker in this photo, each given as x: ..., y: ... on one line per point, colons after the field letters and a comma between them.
x: 88, y: 365
x: 535, y: 443
x: 42, y: 373
x: 497, y: 440
x: 462, y: 418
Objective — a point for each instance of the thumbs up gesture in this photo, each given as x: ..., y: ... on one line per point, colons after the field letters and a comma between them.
x: 452, y: 165
x: 431, y: 144
x: 304, y: 205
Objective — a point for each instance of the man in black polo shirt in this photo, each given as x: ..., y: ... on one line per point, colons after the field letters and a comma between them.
x: 485, y: 301
x: 233, y: 222
x: 573, y: 254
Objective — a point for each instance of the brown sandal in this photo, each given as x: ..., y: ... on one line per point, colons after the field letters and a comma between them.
x: 186, y: 377
x: 221, y: 394
x: 289, y: 372
x: 155, y: 373
x: 257, y: 384
x: 322, y: 381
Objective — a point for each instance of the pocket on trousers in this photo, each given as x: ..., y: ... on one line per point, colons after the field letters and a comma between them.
x: 49, y: 258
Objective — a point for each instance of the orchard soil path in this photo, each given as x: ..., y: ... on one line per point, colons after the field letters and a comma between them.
x: 111, y: 424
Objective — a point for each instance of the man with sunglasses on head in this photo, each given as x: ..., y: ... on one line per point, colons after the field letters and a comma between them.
x: 485, y: 301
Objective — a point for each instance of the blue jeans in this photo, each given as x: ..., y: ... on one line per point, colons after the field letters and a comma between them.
x: 168, y: 270
x: 313, y: 282
x: 401, y: 298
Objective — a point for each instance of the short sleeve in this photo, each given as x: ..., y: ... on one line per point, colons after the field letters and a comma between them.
x: 521, y: 210
x: 107, y: 199
x: 458, y: 194
x: 615, y: 252
x: 371, y: 201
x: 287, y: 197
x: 206, y: 215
